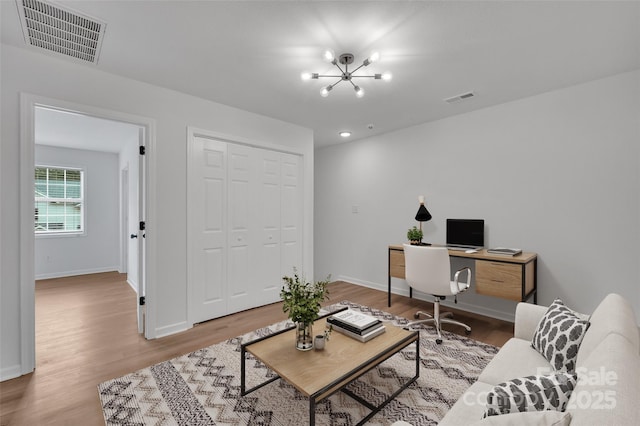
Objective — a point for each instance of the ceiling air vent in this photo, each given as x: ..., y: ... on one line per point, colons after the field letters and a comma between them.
x: 61, y: 30
x: 459, y: 98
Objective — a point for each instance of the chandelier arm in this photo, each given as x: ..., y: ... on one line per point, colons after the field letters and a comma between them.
x: 362, y: 65
x: 327, y: 75
x: 341, y: 70
x: 363, y: 76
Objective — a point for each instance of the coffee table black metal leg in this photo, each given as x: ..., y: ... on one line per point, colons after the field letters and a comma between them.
x: 243, y: 353
x: 312, y: 411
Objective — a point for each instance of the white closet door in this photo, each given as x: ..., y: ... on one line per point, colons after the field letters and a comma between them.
x: 242, y: 205
x: 291, y: 214
x: 268, y: 279
x: 208, y: 230
x: 245, y: 226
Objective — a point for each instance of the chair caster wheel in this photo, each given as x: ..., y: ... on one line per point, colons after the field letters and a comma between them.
x: 439, y: 341
x: 467, y: 332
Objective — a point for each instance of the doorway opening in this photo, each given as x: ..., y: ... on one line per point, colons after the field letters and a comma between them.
x: 66, y: 134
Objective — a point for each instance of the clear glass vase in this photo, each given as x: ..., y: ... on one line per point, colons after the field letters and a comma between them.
x: 304, y: 336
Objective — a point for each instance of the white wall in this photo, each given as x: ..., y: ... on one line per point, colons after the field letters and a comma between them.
x: 26, y: 71
x: 557, y: 174
x: 97, y: 250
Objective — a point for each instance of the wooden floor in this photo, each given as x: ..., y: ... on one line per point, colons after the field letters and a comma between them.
x: 86, y: 333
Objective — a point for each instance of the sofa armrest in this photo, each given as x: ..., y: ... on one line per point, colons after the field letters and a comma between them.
x: 527, y: 318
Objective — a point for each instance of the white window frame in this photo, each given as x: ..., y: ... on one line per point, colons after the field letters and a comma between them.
x: 81, y: 201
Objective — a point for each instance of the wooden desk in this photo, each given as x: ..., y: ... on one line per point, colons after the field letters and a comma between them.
x: 508, y: 277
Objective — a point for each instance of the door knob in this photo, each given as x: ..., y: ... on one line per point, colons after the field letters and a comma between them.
x: 134, y: 236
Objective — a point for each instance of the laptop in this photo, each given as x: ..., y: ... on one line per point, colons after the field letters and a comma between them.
x: 465, y: 234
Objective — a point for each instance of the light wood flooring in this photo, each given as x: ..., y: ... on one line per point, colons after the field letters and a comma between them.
x: 86, y: 333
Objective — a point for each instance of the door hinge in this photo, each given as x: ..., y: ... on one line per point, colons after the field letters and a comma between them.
x: 142, y: 301
x: 142, y: 150
x: 142, y: 226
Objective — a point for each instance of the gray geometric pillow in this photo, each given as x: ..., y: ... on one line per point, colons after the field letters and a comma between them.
x: 558, y: 336
x: 531, y: 393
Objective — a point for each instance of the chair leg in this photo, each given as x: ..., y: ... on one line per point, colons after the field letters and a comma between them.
x: 426, y: 314
x: 450, y: 321
x: 438, y: 319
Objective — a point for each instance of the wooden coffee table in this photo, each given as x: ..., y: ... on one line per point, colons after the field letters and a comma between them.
x: 319, y: 374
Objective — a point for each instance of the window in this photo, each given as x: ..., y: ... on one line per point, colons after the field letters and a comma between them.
x: 59, y: 200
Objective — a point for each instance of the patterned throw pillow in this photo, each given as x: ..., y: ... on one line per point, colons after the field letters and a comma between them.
x: 558, y: 336
x: 531, y: 393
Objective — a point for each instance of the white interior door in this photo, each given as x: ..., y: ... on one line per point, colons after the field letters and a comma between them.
x: 141, y: 270
x: 291, y: 217
x: 242, y: 203
x: 268, y: 277
x: 245, y: 212
x: 208, y: 230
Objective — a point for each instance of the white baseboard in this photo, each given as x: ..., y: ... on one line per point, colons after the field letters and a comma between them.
x: 9, y: 373
x: 60, y: 274
x: 476, y: 309
x: 168, y: 330
x: 133, y: 285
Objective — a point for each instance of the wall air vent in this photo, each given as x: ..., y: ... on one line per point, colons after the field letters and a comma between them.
x: 61, y: 30
x: 459, y: 98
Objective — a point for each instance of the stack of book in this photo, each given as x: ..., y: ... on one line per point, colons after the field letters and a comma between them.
x: 507, y: 251
x: 354, y: 324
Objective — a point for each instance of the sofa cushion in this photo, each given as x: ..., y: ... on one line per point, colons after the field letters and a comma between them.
x: 531, y: 393
x: 515, y: 359
x: 469, y: 407
x: 608, y: 388
x: 613, y: 315
x: 528, y: 317
x: 529, y: 418
x: 558, y: 336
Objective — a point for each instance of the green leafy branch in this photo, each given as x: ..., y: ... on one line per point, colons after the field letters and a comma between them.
x: 301, y: 299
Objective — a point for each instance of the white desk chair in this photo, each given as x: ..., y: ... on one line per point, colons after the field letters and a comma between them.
x: 428, y: 270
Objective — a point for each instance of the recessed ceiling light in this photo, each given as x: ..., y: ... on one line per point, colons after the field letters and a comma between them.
x: 345, y: 134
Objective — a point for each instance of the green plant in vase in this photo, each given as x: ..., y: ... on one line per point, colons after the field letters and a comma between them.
x: 302, y: 300
x: 414, y: 235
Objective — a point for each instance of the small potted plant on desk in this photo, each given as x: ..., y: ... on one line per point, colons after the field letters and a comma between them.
x: 301, y: 301
x: 414, y: 235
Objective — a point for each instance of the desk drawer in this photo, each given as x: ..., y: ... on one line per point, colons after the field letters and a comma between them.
x: 499, y: 279
x: 396, y: 263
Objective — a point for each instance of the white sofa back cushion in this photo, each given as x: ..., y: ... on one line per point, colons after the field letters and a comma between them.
x: 608, y: 386
x: 613, y: 315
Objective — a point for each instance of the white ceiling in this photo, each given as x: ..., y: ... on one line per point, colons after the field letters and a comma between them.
x: 71, y: 130
x: 249, y: 54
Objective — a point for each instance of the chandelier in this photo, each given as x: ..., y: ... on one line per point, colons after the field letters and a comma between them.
x: 346, y: 59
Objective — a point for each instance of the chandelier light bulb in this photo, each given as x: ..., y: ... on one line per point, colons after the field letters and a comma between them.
x: 305, y: 76
x: 329, y: 56
x: 387, y: 76
x: 359, y: 91
x: 371, y: 59
x: 325, y: 91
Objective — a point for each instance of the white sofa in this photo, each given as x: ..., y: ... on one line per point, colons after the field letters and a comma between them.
x: 608, y: 367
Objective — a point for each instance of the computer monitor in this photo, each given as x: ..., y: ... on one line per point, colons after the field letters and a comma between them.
x: 465, y: 233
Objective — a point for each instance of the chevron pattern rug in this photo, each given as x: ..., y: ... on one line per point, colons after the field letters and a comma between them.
x: 203, y: 387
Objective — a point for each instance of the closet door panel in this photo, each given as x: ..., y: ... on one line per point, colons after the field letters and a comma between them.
x: 208, y: 232
x: 268, y: 250
x: 241, y: 174
x: 291, y: 213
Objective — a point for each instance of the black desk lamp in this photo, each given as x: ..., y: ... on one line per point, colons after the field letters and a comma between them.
x: 423, y: 215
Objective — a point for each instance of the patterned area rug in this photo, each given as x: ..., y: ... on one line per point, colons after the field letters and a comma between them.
x: 203, y: 387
